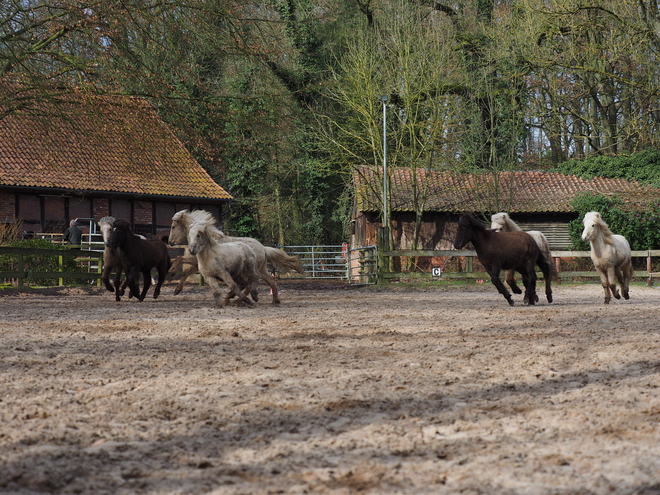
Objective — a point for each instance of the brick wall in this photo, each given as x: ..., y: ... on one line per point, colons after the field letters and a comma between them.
x: 143, y: 213
x: 7, y: 207
x: 29, y: 208
x: 100, y: 208
x: 54, y: 209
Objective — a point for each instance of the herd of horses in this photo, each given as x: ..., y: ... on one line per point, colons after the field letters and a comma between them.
x: 241, y: 262
x: 237, y: 262
x: 506, y: 247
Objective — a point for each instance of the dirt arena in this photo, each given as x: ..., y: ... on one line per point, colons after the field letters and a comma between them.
x: 337, y: 391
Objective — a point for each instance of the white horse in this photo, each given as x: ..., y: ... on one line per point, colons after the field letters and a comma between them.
x: 611, y: 255
x: 233, y: 263
x: 181, y: 222
x: 501, y: 222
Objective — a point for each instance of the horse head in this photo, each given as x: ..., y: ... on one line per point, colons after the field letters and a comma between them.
x: 197, y: 238
x: 121, y: 230
x: 467, y: 225
x: 595, y: 226
x: 105, y: 224
x: 498, y: 221
x: 179, y: 228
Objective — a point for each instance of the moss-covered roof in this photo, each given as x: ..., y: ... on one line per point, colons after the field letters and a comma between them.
x: 100, y: 144
x: 515, y: 192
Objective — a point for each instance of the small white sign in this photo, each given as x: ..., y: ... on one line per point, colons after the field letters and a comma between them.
x: 436, y: 272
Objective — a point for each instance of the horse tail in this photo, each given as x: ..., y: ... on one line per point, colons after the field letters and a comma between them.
x: 544, y: 264
x: 282, y: 261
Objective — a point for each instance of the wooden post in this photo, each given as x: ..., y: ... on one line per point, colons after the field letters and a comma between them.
x: 383, y: 261
x: 60, y: 264
x: 99, y: 267
x: 649, y: 281
x: 20, y: 269
x: 557, y: 270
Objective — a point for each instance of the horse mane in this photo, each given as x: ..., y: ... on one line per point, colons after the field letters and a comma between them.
x: 474, y: 221
x: 504, y: 218
x: 204, y: 220
x: 595, y: 217
x: 108, y: 220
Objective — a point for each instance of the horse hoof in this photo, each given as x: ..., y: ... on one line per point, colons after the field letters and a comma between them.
x: 510, y: 303
x: 177, y: 291
x: 549, y: 296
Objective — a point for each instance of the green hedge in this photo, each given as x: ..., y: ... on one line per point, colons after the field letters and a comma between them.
x: 641, y: 228
x: 642, y: 167
x: 38, y: 262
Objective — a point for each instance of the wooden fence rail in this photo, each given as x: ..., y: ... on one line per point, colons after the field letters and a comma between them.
x: 86, y: 260
x: 385, y: 256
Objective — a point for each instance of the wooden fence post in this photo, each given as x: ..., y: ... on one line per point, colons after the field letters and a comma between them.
x: 60, y: 264
x: 20, y: 269
x: 383, y: 261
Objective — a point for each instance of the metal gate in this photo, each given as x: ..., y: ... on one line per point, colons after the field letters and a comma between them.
x: 322, y: 261
x: 356, y: 266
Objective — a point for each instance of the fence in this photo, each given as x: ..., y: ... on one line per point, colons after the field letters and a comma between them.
x: 365, y: 265
x: 385, y: 257
x: 89, y: 263
x: 326, y: 261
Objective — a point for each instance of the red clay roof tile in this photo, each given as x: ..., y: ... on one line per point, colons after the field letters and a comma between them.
x: 104, y: 144
x: 515, y: 192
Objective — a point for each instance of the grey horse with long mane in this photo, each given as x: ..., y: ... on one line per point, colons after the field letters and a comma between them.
x: 233, y: 263
x: 281, y: 261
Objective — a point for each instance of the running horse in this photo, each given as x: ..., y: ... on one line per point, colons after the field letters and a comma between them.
x: 611, y: 255
x: 499, y: 251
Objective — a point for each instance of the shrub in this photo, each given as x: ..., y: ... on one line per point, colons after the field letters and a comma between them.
x: 641, y: 228
x: 38, y: 262
x: 642, y: 167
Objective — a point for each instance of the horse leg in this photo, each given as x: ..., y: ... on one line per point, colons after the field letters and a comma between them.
x: 105, y: 278
x: 622, y: 275
x: 495, y: 280
x: 270, y: 280
x: 215, y: 287
x: 162, y: 274
x: 547, y: 268
x: 605, y: 284
x: 511, y: 281
x: 548, y: 284
x: 529, y: 279
x: 611, y: 279
x: 146, y: 273
x: 236, y: 290
x: 191, y: 269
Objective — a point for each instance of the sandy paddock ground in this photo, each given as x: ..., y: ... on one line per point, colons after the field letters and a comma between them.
x: 336, y: 391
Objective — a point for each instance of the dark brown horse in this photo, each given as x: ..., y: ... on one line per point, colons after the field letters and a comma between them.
x: 138, y: 256
x: 499, y: 251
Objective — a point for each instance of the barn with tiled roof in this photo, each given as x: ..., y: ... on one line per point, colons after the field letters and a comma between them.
x: 92, y: 156
x: 535, y: 200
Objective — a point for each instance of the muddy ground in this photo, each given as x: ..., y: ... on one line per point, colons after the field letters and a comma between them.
x: 336, y: 391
